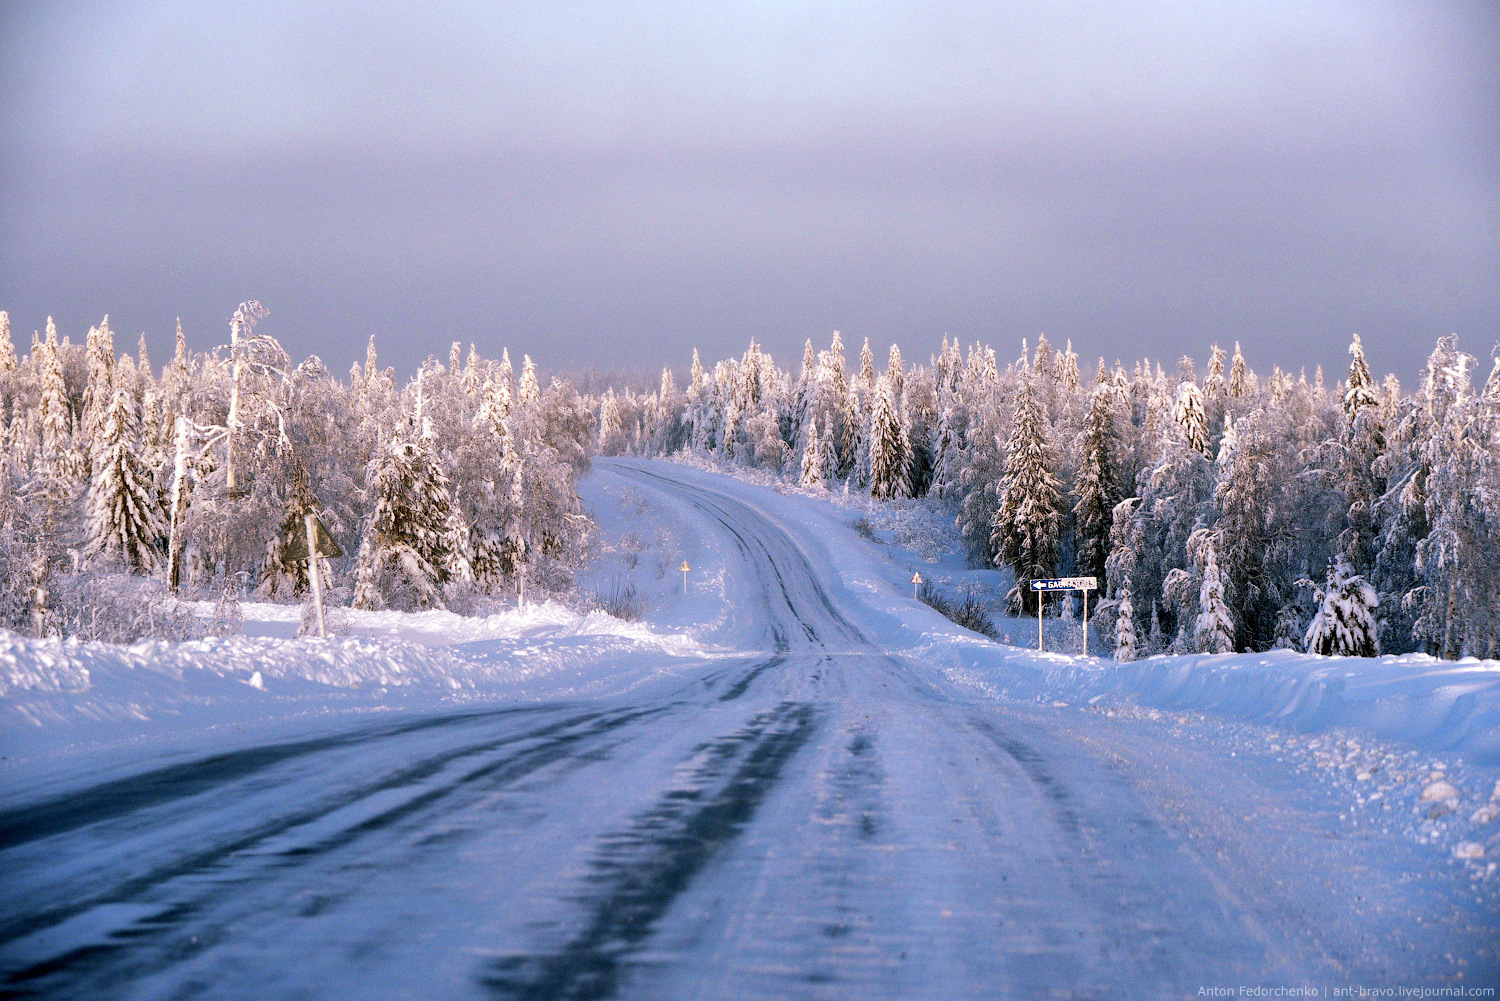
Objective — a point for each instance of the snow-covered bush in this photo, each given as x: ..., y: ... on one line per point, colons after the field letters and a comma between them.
x: 1344, y: 624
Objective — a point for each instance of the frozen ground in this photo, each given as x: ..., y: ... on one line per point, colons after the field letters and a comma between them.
x: 793, y: 781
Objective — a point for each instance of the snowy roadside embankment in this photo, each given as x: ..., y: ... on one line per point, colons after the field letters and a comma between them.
x: 1415, y: 699
x: 1418, y: 700
x: 72, y: 690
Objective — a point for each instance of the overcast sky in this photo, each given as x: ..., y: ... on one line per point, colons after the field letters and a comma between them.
x: 615, y: 184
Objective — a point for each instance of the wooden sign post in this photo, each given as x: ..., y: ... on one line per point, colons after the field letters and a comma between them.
x: 916, y: 582
x: 684, y: 568
x: 1084, y: 584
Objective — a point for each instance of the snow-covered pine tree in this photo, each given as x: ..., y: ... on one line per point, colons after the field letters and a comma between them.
x: 916, y: 411
x: 866, y: 367
x: 947, y: 461
x: 1362, y: 440
x: 1127, y: 644
x: 611, y: 438
x: 1255, y: 497
x: 1065, y: 369
x: 58, y: 467
x: 1289, y: 631
x: 530, y: 392
x: 1028, y: 520
x: 812, y: 456
x: 1241, y: 381
x: 1192, y: 418
x: 768, y: 450
x: 405, y: 554
x: 125, y: 516
x: 8, y: 361
x: 1458, y: 603
x: 1043, y: 364
x: 1344, y: 624
x: 889, y: 456
x: 98, y: 392
x: 1213, y: 632
x: 852, y: 442
x: 1096, y: 485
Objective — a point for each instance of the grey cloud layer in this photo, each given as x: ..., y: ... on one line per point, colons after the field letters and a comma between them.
x: 638, y: 185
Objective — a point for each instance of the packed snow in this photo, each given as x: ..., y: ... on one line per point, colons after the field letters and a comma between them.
x: 1392, y: 760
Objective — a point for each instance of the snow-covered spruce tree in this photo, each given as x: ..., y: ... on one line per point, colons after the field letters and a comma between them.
x: 529, y: 394
x: 1192, y: 418
x: 1127, y: 644
x: 1213, y: 631
x: 947, y: 461
x: 852, y: 445
x: 812, y: 457
x: 1344, y: 624
x: 58, y: 466
x: 98, y: 392
x: 1459, y: 560
x: 611, y: 437
x: 126, y: 520
x: 1241, y: 379
x: 1257, y: 521
x: 982, y: 470
x: 1362, y: 441
x: 1175, y: 498
x: 1096, y: 485
x: 895, y: 372
x: 918, y: 411
x: 8, y: 360
x: 889, y: 455
x: 406, y: 554
x: 1028, y: 520
x: 768, y: 450
x: 866, y: 376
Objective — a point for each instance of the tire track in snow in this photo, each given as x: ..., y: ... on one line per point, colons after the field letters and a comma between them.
x: 643, y: 870
x: 107, y: 800
x: 207, y: 877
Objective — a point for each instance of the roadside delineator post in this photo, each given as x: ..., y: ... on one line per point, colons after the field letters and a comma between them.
x: 684, y: 568
x: 1084, y: 584
x: 916, y: 582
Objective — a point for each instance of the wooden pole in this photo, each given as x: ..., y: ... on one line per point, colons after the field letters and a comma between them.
x: 1085, y: 622
x: 1039, y: 596
x: 314, y: 577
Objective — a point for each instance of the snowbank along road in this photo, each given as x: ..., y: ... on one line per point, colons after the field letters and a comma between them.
x: 818, y: 817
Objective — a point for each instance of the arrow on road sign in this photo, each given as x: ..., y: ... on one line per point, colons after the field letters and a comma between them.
x: 1066, y: 584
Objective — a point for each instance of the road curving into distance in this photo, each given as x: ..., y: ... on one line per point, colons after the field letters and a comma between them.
x: 816, y: 818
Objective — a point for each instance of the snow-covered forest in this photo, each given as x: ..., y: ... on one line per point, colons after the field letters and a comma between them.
x: 126, y: 490
x: 1222, y: 510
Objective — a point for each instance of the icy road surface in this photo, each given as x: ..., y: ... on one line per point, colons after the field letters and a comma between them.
x: 816, y: 818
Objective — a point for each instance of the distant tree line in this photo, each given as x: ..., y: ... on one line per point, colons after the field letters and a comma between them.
x: 458, y: 485
x: 1222, y: 511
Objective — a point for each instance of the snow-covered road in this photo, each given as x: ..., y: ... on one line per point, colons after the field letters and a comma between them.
x: 814, y: 817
